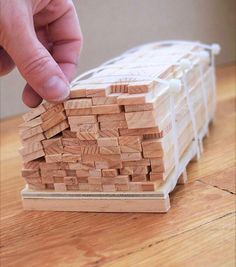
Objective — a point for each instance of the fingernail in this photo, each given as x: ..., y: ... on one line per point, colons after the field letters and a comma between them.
x: 56, y: 89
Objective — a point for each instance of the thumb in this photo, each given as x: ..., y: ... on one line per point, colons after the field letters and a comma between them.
x: 36, y: 64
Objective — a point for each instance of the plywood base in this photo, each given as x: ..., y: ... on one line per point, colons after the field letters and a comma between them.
x: 102, y: 202
x: 157, y: 201
x: 108, y: 202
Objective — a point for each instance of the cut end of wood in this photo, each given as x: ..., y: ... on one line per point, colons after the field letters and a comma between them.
x: 123, y: 140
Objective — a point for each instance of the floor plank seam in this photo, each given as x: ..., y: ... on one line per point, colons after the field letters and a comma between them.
x: 100, y: 262
x: 215, y: 186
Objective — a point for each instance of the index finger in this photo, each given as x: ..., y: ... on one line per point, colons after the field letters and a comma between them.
x: 66, y: 37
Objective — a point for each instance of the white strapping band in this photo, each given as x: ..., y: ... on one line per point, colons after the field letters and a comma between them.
x: 190, y: 106
x: 174, y: 88
x: 204, y: 94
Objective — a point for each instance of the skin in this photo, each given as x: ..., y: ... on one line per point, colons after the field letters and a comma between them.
x: 43, y: 39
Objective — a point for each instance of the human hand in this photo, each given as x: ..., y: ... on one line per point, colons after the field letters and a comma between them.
x: 43, y: 39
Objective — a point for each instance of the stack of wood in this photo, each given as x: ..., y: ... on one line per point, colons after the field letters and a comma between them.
x: 125, y: 128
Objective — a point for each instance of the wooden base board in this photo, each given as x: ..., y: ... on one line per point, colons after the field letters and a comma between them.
x: 107, y: 202
x: 102, y: 202
x: 154, y: 202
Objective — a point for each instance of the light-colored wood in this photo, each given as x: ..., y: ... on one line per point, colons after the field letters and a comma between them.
x: 113, y: 205
x: 52, y: 111
x: 135, y: 99
x: 33, y: 155
x: 98, y: 90
x: 51, y: 173
x: 107, y: 141
x: 127, y: 171
x: 136, y: 108
x: 108, y: 133
x: 85, y: 128
x: 107, y: 164
x: 95, y: 173
x: 142, y: 162
x: 108, y: 187
x: 53, y: 146
x: 87, y: 136
x: 28, y: 133
x: 32, y: 165
x: 30, y: 173
x: 134, y: 132
x: 79, y: 112
x: 109, y: 100
x: 109, y: 150
x: 140, y: 87
x: 106, y: 109
x: 90, y: 149
x: 139, y: 177
x: 68, y: 157
x: 130, y: 144
x: 30, y: 148
x: 51, y: 166
x: 53, y: 158
x: 59, y: 187
x: 35, y: 112
x: 224, y: 179
x: 68, y: 134
x: 75, y: 141
x: 72, y: 149
x: 32, y: 123
x: 214, y: 241
x: 36, y: 138
x: 111, y: 117
x: 78, y: 103
x: 109, y: 172
x: 207, y: 229
x: 113, y: 125
x: 56, y: 129
x: 90, y: 90
x: 53, y: 121
x: 142, y: 119
x: 77, y: 92
x: 130, y: 156
x: 75, y: 120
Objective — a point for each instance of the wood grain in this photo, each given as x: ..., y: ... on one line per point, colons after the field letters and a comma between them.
x: 197, y: 231
x: 196, y: 240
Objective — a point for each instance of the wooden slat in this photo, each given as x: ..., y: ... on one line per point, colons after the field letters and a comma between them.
x: 206, y: 230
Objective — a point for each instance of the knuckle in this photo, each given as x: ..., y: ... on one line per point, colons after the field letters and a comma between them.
x: 36, y: 65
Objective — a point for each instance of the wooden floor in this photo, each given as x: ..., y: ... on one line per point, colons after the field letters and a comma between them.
x: 197, y: 231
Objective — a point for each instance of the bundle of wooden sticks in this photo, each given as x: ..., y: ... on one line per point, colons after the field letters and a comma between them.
x: 127, y: 126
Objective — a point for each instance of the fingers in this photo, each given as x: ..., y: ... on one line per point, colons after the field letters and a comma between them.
x: 30, y: 97
x: 35, y: 63
x: 66, y: 37
x: 47, y: 74
x: 42, y: 35
x: 65, y: 34
x: 6, y: 63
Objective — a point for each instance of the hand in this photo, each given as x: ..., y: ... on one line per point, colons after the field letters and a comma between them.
x: 43, y: 38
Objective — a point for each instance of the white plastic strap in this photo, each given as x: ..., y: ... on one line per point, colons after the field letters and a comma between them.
x: 213, y: 77
x: 174, y: 131
x: 192, y: 115
x: 174, y: 88
x: 215, y: 48
x: 204, y: 94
